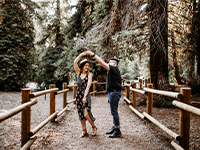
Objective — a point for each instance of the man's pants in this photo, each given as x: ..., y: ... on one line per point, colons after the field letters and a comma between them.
x: 114, y: 98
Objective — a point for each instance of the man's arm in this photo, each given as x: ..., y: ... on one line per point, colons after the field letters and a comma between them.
x: 99, y: 60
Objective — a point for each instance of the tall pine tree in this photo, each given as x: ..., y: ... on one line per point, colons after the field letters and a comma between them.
x: 16, y: 44
x: 52, y: 35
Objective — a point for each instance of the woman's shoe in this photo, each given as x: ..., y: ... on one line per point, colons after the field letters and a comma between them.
x: 94, y: 131
x: 84, y: 133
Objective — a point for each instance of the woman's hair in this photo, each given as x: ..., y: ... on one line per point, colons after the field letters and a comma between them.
x: 81, y: 68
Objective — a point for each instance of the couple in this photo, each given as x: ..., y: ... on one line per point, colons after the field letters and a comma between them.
x: 83, y: 99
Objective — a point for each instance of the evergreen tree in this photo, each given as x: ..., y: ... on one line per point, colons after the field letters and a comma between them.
x: 53, y: 36
x: 16, y: 44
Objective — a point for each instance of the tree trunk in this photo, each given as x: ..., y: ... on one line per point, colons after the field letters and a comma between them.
x: 59, y: 37
x: 192, y: 47
x: 159, y: 43
x: 191, y: 59
x: 197, y: 22
x: 176, y: 67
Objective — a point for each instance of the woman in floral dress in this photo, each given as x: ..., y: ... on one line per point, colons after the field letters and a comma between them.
x: 83, y: 99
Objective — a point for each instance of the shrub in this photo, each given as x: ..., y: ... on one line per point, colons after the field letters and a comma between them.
x: 162, y: 102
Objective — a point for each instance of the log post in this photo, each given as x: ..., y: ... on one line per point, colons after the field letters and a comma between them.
x: 140, y: 80
x: 133, y: 95
x: 94, y: 88
x: 26, y: 118
x: 74, y: 91
x: 184, y: 126
x: 64, y: 95
x: 148, y: 80
x: 52, y: 101
x: 123, y: 83
x: 127, y: 89
x: 149, y: 101
x: 145, y: 81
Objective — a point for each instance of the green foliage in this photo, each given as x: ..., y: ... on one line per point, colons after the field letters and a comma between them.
x: 16, y: 46
x: 66, y: 62
x: 46, y: 70
x: 101, y: 9
x: 51, y: 45
x: 131, y: 72
x: 163, y: 102
x: 171, y: 76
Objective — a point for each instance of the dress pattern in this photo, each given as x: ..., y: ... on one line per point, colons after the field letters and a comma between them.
x: 81, y: 87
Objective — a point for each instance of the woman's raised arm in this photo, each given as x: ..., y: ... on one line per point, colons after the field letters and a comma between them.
x: 76, y: 68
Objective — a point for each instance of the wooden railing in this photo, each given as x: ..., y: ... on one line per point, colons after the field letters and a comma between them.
x: 183, y: 102
x: 27, y: 135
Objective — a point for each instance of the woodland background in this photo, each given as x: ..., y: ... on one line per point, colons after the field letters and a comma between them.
x: 39, y: 40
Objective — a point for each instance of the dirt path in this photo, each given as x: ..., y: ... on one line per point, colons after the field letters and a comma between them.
x: 64, y: 133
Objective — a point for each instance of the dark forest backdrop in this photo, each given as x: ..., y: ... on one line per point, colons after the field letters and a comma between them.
x: 39, y: 40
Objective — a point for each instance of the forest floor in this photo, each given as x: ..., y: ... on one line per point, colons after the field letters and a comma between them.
x: 64, y: 133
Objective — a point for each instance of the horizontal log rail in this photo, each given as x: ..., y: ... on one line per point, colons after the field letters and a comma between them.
x: 94, y: 81
x: 186, y: 107
x: 29, y: 143
x: 62, y: 91
x: 138, y: 91
x: 101, y: 82
x: 176, y: 146
x: 40, y: 93
x: 137, y: 112
x: 99, y: 92
x: 16, y: 110
x: 37, y: 128
x: 126, y: 84
x: 73, y: 85
x: 127, y: 100
x: 62, y: 111
x: 164, y: 93
x: 71, y: 101
x: 93, y: 92
x: 161, y: 126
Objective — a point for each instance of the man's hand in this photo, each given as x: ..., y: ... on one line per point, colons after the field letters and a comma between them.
x: 108, y: 100
x: 89, y: 53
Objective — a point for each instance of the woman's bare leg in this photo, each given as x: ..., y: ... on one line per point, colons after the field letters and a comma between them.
x: 83, y: 123
x: 87, y: 116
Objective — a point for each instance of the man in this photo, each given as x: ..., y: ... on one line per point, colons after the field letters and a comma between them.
x: 113, y: 87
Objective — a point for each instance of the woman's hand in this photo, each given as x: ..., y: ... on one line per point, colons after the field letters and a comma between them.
x: 84, y: 100
x: 89, y: 53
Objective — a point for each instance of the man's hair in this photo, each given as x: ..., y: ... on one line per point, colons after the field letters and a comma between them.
x: 115, y: 59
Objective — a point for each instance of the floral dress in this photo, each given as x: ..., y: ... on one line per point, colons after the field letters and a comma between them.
x: 81, y: 87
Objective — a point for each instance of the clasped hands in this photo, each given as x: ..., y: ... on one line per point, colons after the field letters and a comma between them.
x: 87, y: 53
